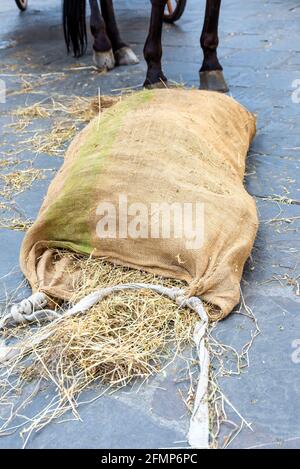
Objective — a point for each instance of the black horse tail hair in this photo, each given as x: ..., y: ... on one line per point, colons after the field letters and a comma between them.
x: 75, y: 26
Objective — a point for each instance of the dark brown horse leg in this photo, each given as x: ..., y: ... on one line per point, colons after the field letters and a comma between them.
x: 103, y: 54
x: 211, y: 74
x: 153, y: 47
x: 124, y: 55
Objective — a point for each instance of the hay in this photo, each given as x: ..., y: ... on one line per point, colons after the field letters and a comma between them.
x: 19, y: 181
x: 16, y: 224
x: 77, y: 109
x: 129, y: 335
x: 68, y: 114
x: 32, y: 112
x: 227, y: 361
x: 30, y: 82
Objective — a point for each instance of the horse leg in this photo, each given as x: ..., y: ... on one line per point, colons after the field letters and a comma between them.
x: 211, y: 74
x: 153, y: 47
x: 103, y: 54
x: 124, y: 55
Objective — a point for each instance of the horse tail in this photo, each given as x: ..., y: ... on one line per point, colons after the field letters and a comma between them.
x: 75, y: 26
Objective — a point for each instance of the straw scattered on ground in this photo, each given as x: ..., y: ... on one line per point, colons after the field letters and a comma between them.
x: 5, y: 163
x: 51, y: 143
x: 67, y: 113
x: 226, y: 422
x: 16, y: 224
x: 131, y: 335
x: 75, y: 108
x: 31, y: 83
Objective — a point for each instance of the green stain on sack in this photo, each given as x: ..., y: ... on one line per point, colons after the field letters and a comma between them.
x: 67, y: 219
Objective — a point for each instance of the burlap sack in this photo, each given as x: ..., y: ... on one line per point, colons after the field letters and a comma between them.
x: 164, y: 146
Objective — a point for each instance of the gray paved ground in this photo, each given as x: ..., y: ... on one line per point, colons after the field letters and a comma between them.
x: 260, y: 52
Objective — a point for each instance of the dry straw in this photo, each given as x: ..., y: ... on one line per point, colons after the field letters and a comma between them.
x: 67, y: 113
x: 130, y: 335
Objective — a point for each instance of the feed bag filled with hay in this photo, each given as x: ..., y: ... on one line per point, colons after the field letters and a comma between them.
x: 150, y: 198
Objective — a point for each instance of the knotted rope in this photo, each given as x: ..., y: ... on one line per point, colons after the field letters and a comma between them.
x: 30, y: 310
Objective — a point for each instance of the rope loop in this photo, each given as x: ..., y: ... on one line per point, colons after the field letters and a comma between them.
x: 26, y: 310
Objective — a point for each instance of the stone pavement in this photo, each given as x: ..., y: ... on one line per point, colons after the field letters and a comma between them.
x: 260, y: 53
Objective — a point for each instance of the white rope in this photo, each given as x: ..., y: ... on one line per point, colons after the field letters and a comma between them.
x: 198, y: 435
x: 29, y: 310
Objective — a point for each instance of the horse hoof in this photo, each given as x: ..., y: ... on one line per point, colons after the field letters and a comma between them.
x: 104, y: 60
x: 126, y: 56
x: 157, y: 80
x: 213, y: 80
x: 158, y: 85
